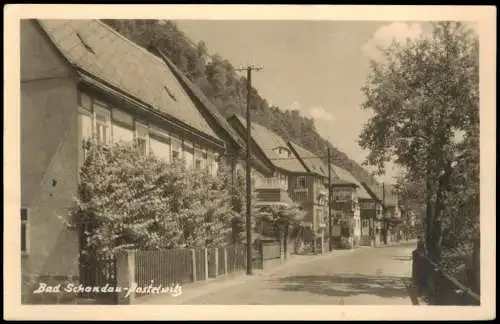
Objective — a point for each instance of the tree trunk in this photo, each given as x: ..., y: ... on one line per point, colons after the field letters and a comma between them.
x: 285, y: 247
x: 437, y: 230
x: 429, y: 213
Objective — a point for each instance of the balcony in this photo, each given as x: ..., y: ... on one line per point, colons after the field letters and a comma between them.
x: 343, y: 197
x: 271, y: 190
x: 272, y: 196
x: 271, y: 183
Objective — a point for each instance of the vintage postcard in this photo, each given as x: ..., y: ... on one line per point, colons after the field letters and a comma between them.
x: 273, y: 162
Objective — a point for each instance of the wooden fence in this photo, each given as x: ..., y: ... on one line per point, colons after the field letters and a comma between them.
x: 176, y: 266
x: 439, y: 288
x: 164, y: 268
x: 271, y: 251
x: 267, y: 254
x: 98, y: 272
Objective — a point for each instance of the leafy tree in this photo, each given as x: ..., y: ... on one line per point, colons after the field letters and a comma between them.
x: 423, y: 93
x: 282, y: 220
x: 239, y: 198
x: 128, y: 200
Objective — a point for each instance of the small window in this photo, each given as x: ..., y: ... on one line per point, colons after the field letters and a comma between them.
x: 188, y: 153
x: 102, y: 124
x: 301, y: 182
x: 214, y: 168
x: 176, y: 148
x: 197, y: 164
x: 24, y: 231
x: 85, y: 101
x: 142, y: 138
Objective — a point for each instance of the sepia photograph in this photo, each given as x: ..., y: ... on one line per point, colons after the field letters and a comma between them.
x: 172, y: 160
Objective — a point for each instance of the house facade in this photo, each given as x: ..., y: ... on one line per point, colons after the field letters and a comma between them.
x: 385, y: 211
x: 393, y: 216
x: 290, y: 182
x: 312, y: 191
x: 345, y: 205
x: 371, y: 216
x: 81, y: 79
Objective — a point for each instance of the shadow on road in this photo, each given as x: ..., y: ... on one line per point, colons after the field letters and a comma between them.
x: 347, y: 285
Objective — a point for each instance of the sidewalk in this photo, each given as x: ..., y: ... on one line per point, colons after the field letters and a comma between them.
x: 197, y: 289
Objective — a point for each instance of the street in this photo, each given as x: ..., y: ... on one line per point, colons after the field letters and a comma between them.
x: 366, y: 276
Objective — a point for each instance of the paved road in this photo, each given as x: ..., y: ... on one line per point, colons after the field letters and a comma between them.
x: 367, y: 276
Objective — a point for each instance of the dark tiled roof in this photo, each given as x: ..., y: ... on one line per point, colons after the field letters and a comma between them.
x: 311, y: 161
x: 267, y: 140
x: 377, y: 193
x: 342, y: 174
x: 97, y: 49
x: 209, y: 106
x: 342, y: 182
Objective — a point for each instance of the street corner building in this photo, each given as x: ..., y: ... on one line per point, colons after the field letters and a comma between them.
x: 80, y: 78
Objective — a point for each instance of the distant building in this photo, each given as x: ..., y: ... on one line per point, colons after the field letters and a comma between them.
x: 312, y: 191
x: 287, y: 183
x: 80, y: 78
x: 348, y: 197
x: 387, y: 210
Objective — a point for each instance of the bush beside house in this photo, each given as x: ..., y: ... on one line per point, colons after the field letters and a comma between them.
x: 127, y: 200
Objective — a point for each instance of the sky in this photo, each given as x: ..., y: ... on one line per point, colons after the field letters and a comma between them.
x: 316, y: 67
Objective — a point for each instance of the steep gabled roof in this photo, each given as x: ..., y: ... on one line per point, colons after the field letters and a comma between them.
x: 309, y: 160
x: 377, y: 194
x: 267, y: 141
x: 371, y: 192
x: 210, y: 108
x: 259, y: 158
x: 100, y: 51
x: 342, y: 174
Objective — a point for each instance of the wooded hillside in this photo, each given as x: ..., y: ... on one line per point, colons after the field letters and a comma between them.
x: 220, y: 82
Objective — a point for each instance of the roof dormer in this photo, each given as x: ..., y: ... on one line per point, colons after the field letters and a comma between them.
x: 283, y: 152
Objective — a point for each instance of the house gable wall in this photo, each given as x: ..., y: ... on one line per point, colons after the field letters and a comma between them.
x: 49, y: 132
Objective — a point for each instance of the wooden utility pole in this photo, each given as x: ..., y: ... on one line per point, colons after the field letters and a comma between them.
x: 384, y: 217
x: 330, y: 243
x: 249, y: 70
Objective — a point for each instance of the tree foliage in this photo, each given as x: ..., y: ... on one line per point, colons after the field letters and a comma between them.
x: 423, y: 94
x: 237, y: 188
x: 283, y: 219
x: 128, y: 200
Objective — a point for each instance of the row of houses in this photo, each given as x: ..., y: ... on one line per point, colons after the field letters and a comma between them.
x: 81, y: 78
